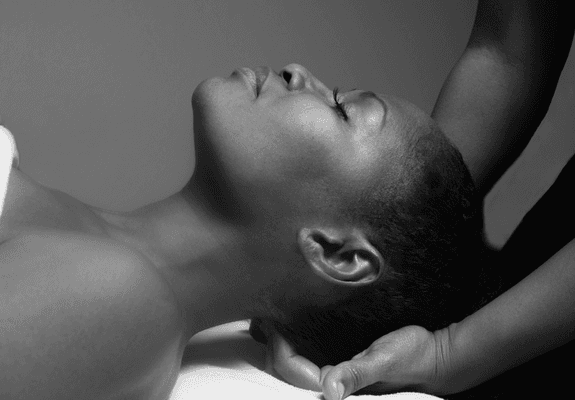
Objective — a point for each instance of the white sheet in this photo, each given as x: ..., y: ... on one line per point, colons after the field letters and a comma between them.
x: 225, y: 362
x: 8, y: 158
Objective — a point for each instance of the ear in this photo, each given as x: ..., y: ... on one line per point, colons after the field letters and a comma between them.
x: 341, y: 255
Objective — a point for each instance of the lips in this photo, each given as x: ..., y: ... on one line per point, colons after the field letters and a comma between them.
x: 256, y: 77
x: 262, y: 74
x: 250, y: 77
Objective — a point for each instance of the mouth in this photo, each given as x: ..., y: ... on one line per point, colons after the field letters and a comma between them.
x: 255, y: 78
x: 262, y: 74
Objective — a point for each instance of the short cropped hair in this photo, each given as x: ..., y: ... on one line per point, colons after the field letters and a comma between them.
x: 428, y: 225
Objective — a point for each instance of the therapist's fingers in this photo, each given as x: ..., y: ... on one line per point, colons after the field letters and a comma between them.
x: 282, y: 361
x: 292, y: 367
x: 270, y: 360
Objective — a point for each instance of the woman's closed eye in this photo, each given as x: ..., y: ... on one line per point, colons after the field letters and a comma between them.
x: 341, y: 108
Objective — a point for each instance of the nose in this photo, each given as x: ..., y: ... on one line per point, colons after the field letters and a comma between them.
x: 298, y: 77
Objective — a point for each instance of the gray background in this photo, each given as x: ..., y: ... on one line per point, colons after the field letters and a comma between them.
x: 97, y: 93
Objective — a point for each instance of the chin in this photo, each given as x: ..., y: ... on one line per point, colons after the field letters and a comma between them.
x: 218, y: 100
x: 205, y: 91
x: 210, y: 106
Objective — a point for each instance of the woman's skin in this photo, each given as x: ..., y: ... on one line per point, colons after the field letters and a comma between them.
x: 101, y: 304
x: 490, y: 106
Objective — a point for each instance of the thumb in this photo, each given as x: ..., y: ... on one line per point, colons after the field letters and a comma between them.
x: 350, y: 376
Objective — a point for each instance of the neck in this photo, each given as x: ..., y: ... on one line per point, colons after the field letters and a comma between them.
x: 197, y: 253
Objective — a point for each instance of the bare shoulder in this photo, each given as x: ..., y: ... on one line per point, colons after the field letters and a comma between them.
x: 86, y: 314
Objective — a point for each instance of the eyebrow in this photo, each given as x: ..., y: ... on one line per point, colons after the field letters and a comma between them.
x: 371, y: 95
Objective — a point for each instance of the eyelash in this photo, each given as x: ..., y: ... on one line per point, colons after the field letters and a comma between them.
x: 341, y: 108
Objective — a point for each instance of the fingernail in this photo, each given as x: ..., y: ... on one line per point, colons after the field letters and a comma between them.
x: 340, y: 390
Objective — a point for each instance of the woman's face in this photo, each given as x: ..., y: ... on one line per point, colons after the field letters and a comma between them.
x: 277, y: 140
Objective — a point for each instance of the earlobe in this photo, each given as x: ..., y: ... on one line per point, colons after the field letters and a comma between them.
x: 341, y: 256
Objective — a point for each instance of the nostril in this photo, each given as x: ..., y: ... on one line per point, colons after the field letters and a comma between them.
x: 286, y: 75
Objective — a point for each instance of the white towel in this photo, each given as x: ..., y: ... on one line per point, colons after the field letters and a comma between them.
x: 9, y: 158
x: 225, y: 362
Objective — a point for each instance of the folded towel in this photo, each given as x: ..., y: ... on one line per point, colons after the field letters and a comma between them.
x: 224, y: 361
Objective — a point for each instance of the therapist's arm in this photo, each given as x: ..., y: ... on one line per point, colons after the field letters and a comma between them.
x: 490, y: 106
x: 501, y: 87
x: 535, y: 316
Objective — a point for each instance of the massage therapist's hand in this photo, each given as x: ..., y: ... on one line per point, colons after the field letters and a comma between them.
x: 281, y: 359
x: 408, y: 359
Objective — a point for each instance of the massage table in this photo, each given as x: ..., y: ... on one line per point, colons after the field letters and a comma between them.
x: 225, y: 362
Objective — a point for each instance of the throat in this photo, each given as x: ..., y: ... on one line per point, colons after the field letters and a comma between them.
x: 199, y: 257
x: 131, y: 232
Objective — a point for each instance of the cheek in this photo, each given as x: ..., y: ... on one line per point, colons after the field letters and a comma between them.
x: 310, y: 138
x: 281, y: 153
x: 308, y: 146
x: 311, y: 121
x: 272, y: 149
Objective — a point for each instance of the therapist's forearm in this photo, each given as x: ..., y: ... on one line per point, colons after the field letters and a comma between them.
x: 499, y: 90
x: 533, y: 317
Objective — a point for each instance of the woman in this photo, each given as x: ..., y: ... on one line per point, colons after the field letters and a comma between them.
x: 100, y: 304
